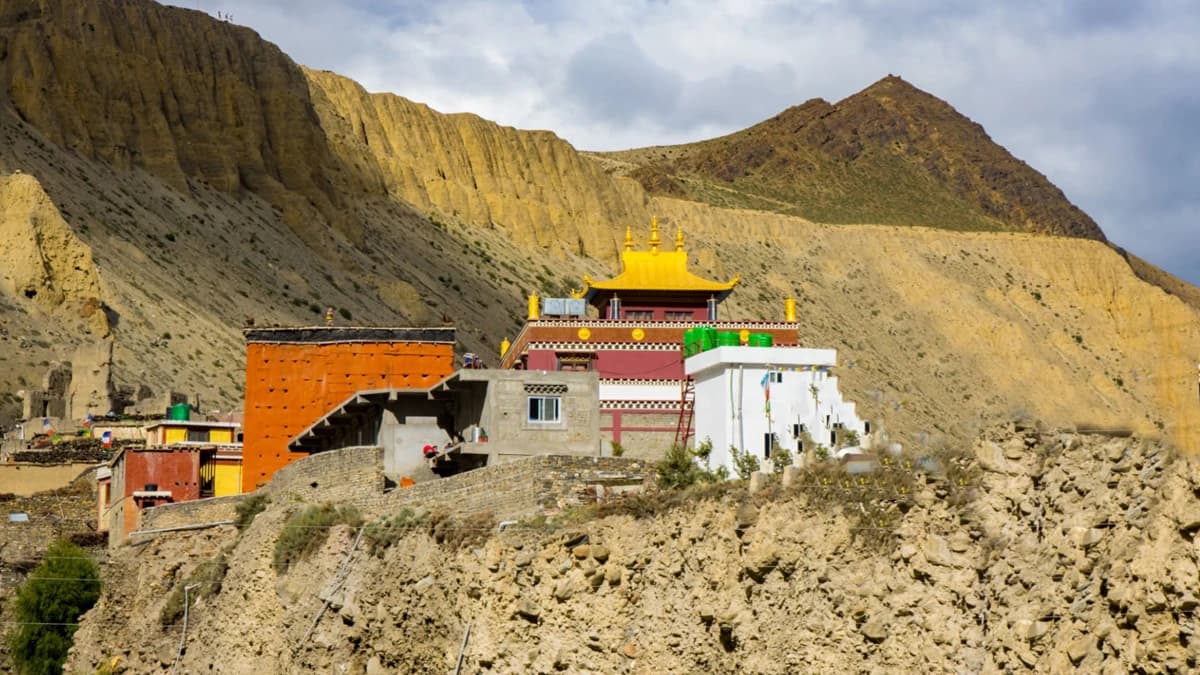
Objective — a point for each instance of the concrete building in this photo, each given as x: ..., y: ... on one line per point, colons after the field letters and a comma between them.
x: 294, y: 376
x: 474, y: 418
x: 629, y: 330
x: 758, y: 399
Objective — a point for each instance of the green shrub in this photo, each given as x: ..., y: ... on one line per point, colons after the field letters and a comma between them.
x: 457, y: 532
x: 678, y: 469
x: 206, y: 579
x: 249, y: 507
x: 617, y: 449
x: 306, y: 530
x: 847, y: 438
x: 780, y: 457
x: 744, y: 463
x: 48, y: 606
x: 385, y: 532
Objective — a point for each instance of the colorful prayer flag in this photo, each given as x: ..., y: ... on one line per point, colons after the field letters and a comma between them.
x: 106, y: 439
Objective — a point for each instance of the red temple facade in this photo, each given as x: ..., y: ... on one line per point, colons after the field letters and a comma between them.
x: 634, y: 340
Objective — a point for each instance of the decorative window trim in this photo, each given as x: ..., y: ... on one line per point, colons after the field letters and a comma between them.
x: 545, y: 389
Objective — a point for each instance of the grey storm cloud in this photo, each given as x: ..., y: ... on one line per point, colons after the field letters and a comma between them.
x: 1096, y: 94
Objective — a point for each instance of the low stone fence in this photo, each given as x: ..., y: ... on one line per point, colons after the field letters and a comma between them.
x: 539, y: 484
x: 210, y: 510
x: 542, y: 484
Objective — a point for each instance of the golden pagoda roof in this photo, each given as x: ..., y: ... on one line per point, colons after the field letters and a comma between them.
x: 655, y: 270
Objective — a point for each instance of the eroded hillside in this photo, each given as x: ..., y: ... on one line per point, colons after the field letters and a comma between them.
x: 1031, y: 552
x: 890, y: 154
x: 212, y: 181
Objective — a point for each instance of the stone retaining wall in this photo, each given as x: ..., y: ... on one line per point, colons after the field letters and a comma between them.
x: 540, y: 484
x: 210, y: 510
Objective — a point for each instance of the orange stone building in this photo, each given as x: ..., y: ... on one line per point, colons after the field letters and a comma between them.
x: 296, y: 375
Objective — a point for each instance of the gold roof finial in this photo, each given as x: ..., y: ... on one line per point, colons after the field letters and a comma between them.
x: 679, y: 238
x: 628, y: 237
x: 654, y: 240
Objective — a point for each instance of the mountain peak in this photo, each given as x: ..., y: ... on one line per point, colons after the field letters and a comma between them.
x: 891, y: 153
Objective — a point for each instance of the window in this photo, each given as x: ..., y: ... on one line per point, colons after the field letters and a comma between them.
x: 678, y: 316
x: 639, y: 315
x: 544, y: 409
x: 575, y: 360
x: 775, y: 376
x: 197, y: 435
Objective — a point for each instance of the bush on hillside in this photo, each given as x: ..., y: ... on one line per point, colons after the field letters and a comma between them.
x: 385, y: 532
x: 744, y: 463
x: 206, y: 580
x: 48, y: 606
x: 249, y: 507
x: 679, y: 470
x: 307, y: 529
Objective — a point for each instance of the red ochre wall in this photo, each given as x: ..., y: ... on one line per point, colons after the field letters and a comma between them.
x: 290, y: 386
x: 177, y: 471
x: 620, y: 364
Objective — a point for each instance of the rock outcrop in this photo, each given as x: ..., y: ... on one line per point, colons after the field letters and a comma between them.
x: 44, y: 261
x: 1031, y: 551
x: 531, y: 185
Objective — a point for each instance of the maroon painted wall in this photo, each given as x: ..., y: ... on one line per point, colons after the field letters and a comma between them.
x: 660, y: 311
x: 620, y: 364
x: 634, y: 365
x: 177, y: 471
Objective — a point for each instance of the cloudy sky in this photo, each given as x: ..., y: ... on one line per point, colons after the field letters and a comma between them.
x: 1103, y: 96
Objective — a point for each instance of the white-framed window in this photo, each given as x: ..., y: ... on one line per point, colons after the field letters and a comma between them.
x: 544, y: 409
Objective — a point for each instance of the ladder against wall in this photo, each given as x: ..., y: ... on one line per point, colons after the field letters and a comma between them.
x: 687, y: 406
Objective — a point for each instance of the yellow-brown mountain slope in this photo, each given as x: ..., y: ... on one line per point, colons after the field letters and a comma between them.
x: 212, y: 179
x: 889, y: 154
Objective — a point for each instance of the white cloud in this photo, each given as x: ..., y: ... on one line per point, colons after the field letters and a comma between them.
x: 1088, y: 92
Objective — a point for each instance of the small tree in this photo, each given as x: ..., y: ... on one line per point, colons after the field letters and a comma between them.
x: 780, y: 457
x: 617, y: 448
x: 848, y: 438
x: 48, y: 607
x: 677, y: 470
x: 744, y: 463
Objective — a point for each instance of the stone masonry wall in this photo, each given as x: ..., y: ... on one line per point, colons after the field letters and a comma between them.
x: 538, y: 484
x: 198, y: 511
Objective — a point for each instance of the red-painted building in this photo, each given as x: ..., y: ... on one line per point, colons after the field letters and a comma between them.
x: 634, y: 340
x: 138, y: 479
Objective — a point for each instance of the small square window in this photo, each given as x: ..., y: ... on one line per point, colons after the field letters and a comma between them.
x: 544, y: 409
x: 197, y: 435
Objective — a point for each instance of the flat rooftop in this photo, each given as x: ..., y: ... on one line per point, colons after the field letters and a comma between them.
x: 335, y: 334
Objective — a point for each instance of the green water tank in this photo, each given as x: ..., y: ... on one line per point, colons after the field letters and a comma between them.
x: 707, y: 336
x: 690, y: 343
x: 180, y: 412
x: 760, y: 340
x: 728, y: 339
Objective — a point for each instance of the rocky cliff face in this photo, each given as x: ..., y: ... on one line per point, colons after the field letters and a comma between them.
x: 1031, y: 552
x: 170, y: 91
x: 531, y: 185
